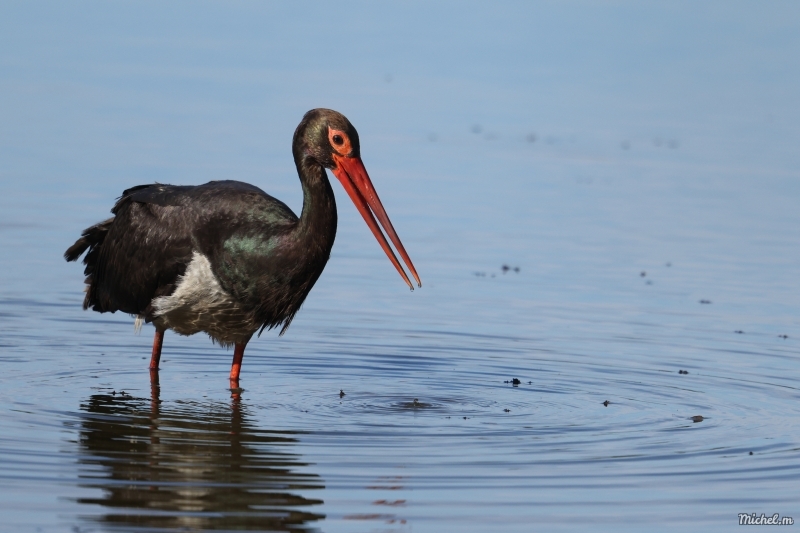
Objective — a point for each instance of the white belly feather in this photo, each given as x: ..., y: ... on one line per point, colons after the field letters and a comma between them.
x: 199, y: 303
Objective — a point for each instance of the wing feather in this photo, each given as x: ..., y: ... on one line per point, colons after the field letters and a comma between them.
x: 142, y: 251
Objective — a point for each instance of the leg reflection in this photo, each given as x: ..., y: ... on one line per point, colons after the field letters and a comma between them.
x: 155, y: 392
x: 190, y: 465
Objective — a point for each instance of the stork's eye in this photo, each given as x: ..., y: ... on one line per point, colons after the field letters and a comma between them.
x: 340, y: 142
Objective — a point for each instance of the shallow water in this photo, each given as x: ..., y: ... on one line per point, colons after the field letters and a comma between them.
x: 630, y: 162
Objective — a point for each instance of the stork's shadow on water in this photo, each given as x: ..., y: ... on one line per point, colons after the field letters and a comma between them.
x: 189, y: 466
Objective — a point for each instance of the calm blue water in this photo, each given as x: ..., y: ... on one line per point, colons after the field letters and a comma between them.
x: 630, y: 160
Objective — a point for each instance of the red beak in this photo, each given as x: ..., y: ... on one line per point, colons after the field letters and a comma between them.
x: 355, y: 180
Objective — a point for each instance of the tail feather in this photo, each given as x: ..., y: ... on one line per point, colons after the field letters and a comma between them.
x: 90, y: 238
x: 77, y: 249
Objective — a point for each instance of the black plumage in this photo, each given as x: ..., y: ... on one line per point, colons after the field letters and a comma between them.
x: 264, y: 259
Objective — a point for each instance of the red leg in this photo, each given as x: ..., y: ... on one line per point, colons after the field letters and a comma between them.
x: 238, y: 354
x: 158, y: 342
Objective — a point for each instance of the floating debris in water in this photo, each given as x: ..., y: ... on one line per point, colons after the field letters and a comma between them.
x: 740, y: 332
x: 386, y: 502
x: 783, y: 336
x: 683, y: 371
x: 697, y: 418
x: 705, y: 301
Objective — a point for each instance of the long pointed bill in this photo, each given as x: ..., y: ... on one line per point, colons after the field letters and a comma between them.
x: 355, y: 180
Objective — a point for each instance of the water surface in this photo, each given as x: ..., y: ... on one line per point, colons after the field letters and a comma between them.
x: 633, y: 168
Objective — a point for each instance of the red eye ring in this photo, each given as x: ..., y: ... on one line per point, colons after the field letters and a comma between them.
x: 340, y: 142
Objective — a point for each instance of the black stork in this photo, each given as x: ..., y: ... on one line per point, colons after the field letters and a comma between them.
x: 226, y: 258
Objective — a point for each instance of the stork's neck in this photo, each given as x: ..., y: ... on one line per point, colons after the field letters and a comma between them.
x: 317, y: 226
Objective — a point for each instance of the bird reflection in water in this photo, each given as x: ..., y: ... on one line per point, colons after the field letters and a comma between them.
x: 190, y: 466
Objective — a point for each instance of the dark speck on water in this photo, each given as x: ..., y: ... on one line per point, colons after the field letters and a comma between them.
x: 739, y: 331
x: 697, y: 418
x: 705, y: 301
x: 341, y: 393
x: 606, y: 403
